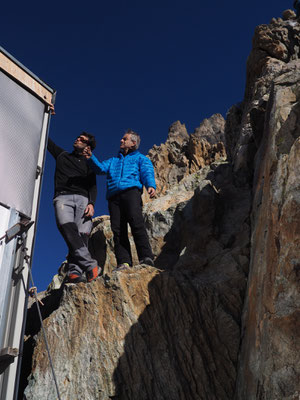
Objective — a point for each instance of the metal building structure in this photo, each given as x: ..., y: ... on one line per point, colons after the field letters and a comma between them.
x: 25, y: 110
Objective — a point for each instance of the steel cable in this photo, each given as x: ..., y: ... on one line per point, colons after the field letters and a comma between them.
x: 43, y: 329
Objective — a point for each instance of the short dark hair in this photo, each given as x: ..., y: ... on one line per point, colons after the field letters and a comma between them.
x: 92, y: 140
x: 135, y: 137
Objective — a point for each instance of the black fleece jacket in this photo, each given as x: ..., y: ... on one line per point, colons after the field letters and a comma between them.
x: 72, y: 174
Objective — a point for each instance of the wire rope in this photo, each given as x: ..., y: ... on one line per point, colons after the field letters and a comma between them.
x: 34, y: 291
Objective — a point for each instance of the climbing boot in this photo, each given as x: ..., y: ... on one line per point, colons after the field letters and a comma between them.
x: 75, y: 278
x: 92, y: 274
x: 122, y: 267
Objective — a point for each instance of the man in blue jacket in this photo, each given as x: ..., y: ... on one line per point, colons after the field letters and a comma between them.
x: 126, y: 175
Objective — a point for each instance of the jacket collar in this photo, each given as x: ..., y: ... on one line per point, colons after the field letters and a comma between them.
x: 131, y: 153
x: 74, y: 153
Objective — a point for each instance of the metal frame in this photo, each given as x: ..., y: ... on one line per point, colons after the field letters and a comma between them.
x: 17, y: 275
x: 7, y: 265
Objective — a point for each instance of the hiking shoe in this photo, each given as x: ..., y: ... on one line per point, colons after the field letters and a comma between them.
x: 147, y: 261
x: 122, y: 267
x: 75, y: 278
x: 93, y: 274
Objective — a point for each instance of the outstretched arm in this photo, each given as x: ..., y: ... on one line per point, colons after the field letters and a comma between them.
x: 53, y: 149
x: 100, y: 168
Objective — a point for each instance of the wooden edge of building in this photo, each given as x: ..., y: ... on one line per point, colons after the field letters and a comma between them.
x: 22, y: 75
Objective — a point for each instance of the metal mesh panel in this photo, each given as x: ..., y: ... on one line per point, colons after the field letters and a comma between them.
x: 21, y: 119
x: 7, y: 259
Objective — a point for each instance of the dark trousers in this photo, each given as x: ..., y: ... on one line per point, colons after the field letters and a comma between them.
x: 126, y: 207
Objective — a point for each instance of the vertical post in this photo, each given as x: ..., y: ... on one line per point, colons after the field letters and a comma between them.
x: 18, y: 294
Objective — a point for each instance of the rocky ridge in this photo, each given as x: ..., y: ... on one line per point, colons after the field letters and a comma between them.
x: 218, y: 316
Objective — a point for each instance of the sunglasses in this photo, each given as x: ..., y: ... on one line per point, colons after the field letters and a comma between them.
x: 83, y: 140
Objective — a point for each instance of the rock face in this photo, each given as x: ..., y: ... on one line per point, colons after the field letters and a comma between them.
x: 218, y: 316
x: 131, y: 337
x: 270, y: 361
x: 263, y: 134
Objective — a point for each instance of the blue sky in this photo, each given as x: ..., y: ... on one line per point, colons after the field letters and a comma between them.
x: 129, y: 64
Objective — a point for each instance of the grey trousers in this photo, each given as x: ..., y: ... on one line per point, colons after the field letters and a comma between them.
x: 75, y: 229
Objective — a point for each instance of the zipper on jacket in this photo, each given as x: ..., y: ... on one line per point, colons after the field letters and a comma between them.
x: 123, y: 160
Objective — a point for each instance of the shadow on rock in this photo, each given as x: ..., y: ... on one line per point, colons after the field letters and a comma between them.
x: 98, y: 246
x: 191, y: 228
x: 185, y: 343
x: 208, y: 223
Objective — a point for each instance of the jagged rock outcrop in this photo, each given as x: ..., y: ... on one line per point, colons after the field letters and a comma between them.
x: 183, y: 154
x: 170, y: 159
x: 193, y: 327
x: 275, y: 51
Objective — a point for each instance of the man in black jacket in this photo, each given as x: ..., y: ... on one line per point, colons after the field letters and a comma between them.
x: 74, y: 198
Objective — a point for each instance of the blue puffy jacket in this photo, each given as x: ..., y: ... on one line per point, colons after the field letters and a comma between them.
x: 125, y: 172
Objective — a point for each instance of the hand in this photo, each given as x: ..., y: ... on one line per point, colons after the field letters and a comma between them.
x: 151, y: 192
x: 51, y: 108
x: 87, y: 152
x: 89, y: 210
